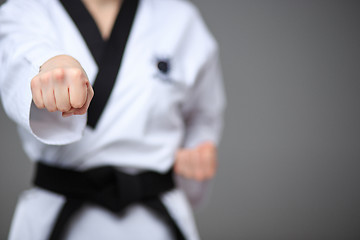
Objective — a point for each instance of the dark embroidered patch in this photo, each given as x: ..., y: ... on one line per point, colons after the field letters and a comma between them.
x: 163, y: 66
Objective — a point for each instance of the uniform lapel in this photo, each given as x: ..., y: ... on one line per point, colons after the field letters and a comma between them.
x: 107, y: 54
x: 86, y: 26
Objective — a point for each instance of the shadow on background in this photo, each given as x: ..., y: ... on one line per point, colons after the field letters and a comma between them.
x: 289, y: 159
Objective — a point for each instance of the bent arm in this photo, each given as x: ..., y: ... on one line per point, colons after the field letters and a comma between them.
x: 203, y: 115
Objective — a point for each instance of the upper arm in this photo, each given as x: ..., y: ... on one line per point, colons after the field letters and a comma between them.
x: 204, y: 106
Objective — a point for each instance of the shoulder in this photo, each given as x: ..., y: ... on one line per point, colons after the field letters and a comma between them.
x: 182, y: 33
x: 182, y: 17
x: 23, y: 8
x: 181, y: 12
x: 25, y: 3
x: 176, y: 7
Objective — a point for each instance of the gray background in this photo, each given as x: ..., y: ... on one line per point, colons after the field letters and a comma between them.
x: 289, y: 159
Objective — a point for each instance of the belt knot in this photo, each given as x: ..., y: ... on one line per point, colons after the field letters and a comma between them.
x: 113, y: 189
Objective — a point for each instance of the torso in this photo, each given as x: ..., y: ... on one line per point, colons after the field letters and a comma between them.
x: 141, y: 141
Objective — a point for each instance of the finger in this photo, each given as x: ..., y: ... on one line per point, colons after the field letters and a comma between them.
x: 199, y: 165
x: 36, y: 92
x: 192, y: 164
x: 89, y: 96
x: 178, y: 156
x: 82, y: 110
x: 61, y: 91
x: 184, y: 167
x: 208, y: 159
x: 48, y: 92
x: 77, y: 87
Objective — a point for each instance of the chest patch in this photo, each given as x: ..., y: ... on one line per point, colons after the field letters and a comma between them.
x: 163, y: 67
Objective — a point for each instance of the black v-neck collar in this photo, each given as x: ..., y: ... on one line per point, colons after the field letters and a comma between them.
x: 107, y: 54
x: 87, y: 27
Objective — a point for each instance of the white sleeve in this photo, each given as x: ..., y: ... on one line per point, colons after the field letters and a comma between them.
x: 203, y: 112
x: 204, y: 108
x: 204, y: 120
x: 27, y: 40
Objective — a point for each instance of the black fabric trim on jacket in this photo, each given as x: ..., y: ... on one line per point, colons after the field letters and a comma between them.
x: 107, y: 54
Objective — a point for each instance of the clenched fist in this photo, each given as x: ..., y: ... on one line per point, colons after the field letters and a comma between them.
x: 62, y: 85
x: 199, y: 163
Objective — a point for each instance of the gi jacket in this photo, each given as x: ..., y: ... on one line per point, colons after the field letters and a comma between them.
x: 168, y: 93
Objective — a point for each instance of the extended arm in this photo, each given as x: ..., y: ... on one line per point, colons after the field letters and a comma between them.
x: 28, y: 40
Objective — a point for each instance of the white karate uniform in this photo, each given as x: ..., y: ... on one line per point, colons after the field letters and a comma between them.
x: 149, y: 114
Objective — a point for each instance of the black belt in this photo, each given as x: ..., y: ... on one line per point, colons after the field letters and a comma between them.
x: 107, y: 187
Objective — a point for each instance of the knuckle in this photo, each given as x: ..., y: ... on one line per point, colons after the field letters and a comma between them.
x: 77, y: 73
x: 59, y: 79
x: 59, y: 74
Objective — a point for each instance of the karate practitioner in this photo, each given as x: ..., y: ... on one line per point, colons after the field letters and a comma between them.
x: 109, y: 96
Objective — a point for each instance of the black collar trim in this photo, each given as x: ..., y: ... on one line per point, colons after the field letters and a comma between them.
x: 107, y: 54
